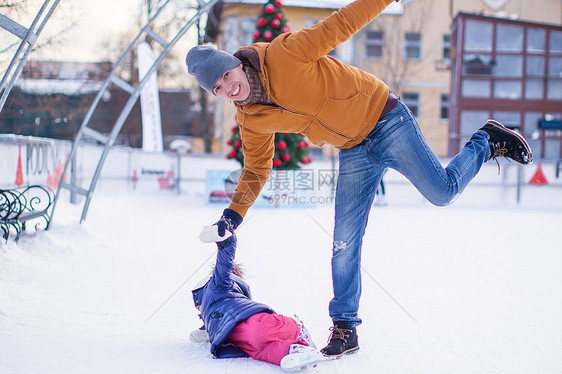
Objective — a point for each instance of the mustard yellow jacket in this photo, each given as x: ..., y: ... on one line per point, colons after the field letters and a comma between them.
x: 316, y: 95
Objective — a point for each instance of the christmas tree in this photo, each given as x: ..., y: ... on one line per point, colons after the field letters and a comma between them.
x: 291, y: 150
x: 271, y: 22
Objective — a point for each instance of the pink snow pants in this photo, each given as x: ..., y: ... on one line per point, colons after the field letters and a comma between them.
x: 266, y: 337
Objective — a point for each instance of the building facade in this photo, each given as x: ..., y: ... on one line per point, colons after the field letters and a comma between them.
x: 51, y: 98
x: 509, y: 70
x: 409, y: 46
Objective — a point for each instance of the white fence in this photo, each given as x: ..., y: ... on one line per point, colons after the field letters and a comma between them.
x: 41, y: 161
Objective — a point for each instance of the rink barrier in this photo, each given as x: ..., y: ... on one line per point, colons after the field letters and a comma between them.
x: 132, y: 171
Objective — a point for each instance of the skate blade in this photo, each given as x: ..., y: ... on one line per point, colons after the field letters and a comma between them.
x: 294, y: 367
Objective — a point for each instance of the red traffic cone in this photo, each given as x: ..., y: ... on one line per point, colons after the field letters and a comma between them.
x: 19, y: 173
x: 538, y: 179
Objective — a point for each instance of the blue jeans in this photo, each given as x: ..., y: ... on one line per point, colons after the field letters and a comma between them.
x: 396, y: 142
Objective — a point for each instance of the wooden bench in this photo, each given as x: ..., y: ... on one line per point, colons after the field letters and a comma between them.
x: 18, y: 206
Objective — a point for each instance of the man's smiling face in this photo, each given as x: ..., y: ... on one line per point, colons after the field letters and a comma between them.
x: 233, y: 85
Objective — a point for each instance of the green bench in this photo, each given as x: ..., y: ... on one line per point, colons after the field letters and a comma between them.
x: 22, y: 206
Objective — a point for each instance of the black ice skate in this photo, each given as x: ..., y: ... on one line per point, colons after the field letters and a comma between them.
x: 507, y: 143
x: 342, y: 341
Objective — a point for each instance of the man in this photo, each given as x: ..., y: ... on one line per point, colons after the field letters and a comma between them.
x: 291, y: 85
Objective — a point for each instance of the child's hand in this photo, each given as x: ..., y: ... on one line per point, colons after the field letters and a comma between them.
x: 210, y: 234
x: 199, y: 336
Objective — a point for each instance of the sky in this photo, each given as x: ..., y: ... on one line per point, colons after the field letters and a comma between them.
x: 94, y: 23
x: 97, y: 20
x: 100, y: 31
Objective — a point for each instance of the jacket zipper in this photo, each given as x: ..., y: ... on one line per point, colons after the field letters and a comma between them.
x: 282, y: 108
x: 317, y: 120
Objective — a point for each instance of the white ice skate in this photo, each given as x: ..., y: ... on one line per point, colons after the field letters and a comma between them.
x: 301, y: 357
x: 304, y: 335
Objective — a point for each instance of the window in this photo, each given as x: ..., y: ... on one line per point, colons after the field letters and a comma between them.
x: 412, y: 46
x: 535, y: 71
x: 346, y: 51
x: 554, y: 90
x: 531, y: 121
x: 509, y: 38
x: 535, y: 66
x: 248, y: 28
x: 374, y: 44
x: 412, y: 101
x: 510, y: 119
x: 509, y: 66
x: 477, y: 64
x: 508, y: 90
x: 446, y: 47
x: 478, y: 36
x: 536, y: 40
x: 472, y: 120
x: 554, y: 85
x: 444, y: 107
x: 476, y: 88
x: 534, y: 89
x: 556, y: 41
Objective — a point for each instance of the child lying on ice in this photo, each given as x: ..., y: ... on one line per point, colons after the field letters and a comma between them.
x: 239, y: 327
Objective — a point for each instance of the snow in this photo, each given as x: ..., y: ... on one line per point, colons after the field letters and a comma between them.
x: 462, y: 289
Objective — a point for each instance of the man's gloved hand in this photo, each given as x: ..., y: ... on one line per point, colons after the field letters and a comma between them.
x: 230, y: 221
x: 222, y: 229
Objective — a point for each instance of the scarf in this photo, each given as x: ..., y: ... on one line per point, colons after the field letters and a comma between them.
x: 258, y: 95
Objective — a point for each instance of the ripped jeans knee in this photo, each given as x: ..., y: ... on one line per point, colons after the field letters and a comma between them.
x: 339, y: 245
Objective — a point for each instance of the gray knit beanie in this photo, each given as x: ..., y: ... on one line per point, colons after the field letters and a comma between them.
x: 208, y: 64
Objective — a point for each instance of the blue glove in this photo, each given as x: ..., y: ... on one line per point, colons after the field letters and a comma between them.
x: 230, y: 221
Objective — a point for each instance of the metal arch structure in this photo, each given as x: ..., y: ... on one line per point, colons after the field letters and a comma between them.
x: 28, y: 38
x: 86, y: 132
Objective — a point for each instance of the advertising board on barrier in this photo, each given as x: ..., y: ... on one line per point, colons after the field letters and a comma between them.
x: 298, y: 188
x: 28, y: 160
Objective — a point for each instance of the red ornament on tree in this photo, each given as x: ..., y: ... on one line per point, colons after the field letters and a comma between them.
x: 238, y: 144
x: 279, y: 15
x: 256, y: 35
x: 275, y: 23
x: 279, y: 3
x: 269, y: 8
x: 281, y: 146
x: 268, y: 35
x: 231, y: 154
x: 284, y: 29
x: 276, y: 162
x: 286, y: 157
x: 261, y: 22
